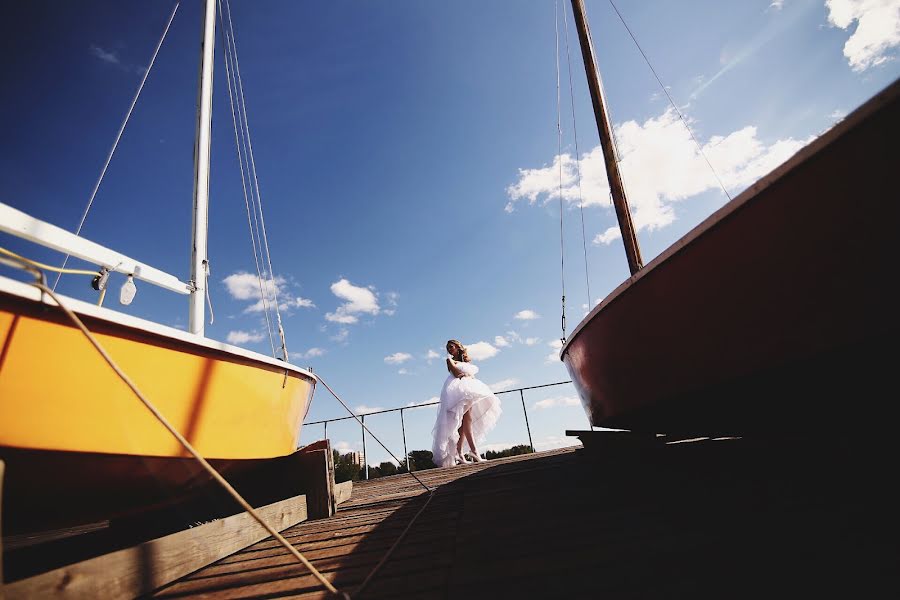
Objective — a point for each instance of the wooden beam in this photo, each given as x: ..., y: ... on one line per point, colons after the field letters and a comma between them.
x: 342, y: 491
x: 143, y: 568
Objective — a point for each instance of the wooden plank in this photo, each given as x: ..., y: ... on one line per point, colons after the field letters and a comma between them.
x: 342, y: 491
x: 145, y: 567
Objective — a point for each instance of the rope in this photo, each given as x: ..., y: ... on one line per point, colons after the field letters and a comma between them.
x: 238, y: 145
x: 409, y: 525
x: 118, y: 137
x: 262, y: 221
x: 672, y: 102
x: 187, y: 446
x: 390, y: 551
x: 34, y: 263
x: 587, y: 277
x: 562, y: 253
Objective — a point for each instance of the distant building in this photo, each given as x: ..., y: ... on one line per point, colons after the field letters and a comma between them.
x: 355, y: 458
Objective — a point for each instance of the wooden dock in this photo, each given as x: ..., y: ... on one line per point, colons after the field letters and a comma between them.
x: 709, y: 518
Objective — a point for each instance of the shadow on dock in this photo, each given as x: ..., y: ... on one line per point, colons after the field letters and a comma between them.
x: 710, y: 518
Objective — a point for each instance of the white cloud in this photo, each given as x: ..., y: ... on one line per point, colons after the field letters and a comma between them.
x: 243, y: 337
x: 877, y: 30
x: 105, y: 56
x: 341, y: 335
x: 247, y: 286
x: 496, y: 447
x: 552, y: 442
x: 777, y: 5
x: 557, y: 401
x: 526, y: 315
x: 429, y: 401
x: 532, y: 341
x: 837, y: 115
x: 358, y: 300
x: 402, y: 372
x: 553, y: 357
x: 503, y: 385
x: 343, y: 447
x: 362, y: 409
x: 431, y: 355
x: 311, y: 353
x: 397, y: 358
x: 481, y: 351
x: 661, y: 165
x: 500, y: 341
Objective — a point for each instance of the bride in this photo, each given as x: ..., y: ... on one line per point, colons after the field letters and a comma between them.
x: 468, y: 410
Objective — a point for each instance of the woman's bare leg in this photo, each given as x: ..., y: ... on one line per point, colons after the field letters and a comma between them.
x: 459, y: 444
x: 467, y: 429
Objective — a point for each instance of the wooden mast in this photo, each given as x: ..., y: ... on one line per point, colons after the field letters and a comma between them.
x: 632, y: 250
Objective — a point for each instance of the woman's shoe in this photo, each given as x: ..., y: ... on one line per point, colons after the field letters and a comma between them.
x: 461, y: 459
x: 476, y: 457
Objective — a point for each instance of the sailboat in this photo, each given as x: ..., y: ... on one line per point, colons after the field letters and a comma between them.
x: 76, y: 443
x: 772, y: 317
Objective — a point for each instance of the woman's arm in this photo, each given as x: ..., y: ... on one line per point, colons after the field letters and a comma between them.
x: 456, y: 372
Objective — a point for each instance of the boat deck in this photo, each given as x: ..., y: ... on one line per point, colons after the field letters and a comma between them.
x: 724, y: 518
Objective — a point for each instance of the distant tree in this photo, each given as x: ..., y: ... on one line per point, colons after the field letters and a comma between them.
x: 514, y: 451
x: 344, y: 468
x: 387, y: 468
x: 346, y: 472
x: 419, y: 460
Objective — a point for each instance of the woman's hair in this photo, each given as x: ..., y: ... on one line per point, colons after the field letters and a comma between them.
x: 461, y: 353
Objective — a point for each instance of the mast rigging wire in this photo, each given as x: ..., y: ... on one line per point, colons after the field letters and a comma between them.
x: 262, y: 221
x: 116, y: 142
x: 672, y: 102
x: 587, y: 277
x: 562, y: 252
x: 238, y: 133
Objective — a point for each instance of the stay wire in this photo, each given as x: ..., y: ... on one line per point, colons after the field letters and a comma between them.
x: 118, y: 137
x: 262, y: 221
x: 375, y: 437
x: 671, y: 101
x: 238, y: 132
x: 562, y: 252
x: 587, y: 277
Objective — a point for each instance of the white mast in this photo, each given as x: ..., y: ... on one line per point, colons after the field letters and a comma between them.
x: 199, y: 263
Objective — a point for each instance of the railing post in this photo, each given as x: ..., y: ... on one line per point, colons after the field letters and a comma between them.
x: 527, y: 426
x: 365, y: 458
x: 405, y: 451
x: 326, y: 430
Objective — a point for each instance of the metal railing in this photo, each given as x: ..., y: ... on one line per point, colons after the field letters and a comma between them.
x: 423, y: 405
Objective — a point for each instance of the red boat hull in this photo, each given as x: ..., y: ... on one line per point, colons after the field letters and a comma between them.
x: 774, y: 315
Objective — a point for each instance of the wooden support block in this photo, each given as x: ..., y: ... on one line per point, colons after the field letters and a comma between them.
x: 606, y: 442
x: 316, y: 467
x: 342, y: 491
x: 143, y: 568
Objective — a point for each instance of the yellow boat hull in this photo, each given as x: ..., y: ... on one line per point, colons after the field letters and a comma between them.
x: 57, y: 393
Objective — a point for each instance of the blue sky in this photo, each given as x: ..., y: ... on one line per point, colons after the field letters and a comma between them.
x: 409, y: 168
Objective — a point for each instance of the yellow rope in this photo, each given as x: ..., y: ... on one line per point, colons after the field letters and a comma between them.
x: 34, y: 263
x: 187, y: 446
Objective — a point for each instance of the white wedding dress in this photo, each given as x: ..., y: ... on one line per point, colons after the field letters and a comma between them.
x: 458, y: 396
